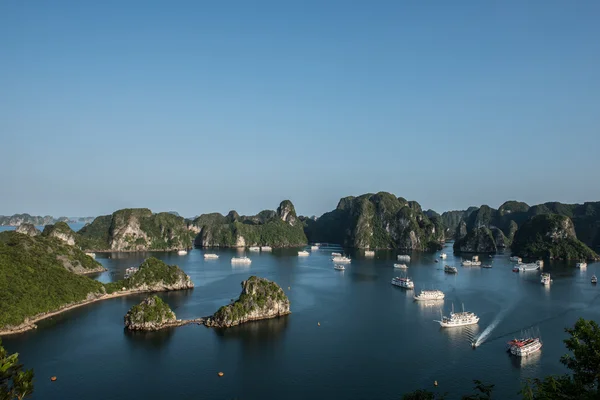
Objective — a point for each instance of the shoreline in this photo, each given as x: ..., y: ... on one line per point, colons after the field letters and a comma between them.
x: 30, y: 324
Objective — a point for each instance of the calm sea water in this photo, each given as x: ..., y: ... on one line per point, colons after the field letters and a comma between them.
x: 373, y: 342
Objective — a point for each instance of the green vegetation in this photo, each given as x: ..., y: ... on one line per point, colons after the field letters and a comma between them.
x: 152, y: 272
x: 279, y: 228
x: 258, y: 294
x: 162, y: 231
x: 59, y: 227
x: 34, y: 278
x: 378, y: 221
x: 479, y: 240
x: 550, y: 236
x: 14, y: 382
x: 151, y: 310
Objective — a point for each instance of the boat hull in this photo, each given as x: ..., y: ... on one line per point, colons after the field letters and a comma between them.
x: 457, y: 324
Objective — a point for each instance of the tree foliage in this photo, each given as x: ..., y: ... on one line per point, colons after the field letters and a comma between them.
x: 15, y: 383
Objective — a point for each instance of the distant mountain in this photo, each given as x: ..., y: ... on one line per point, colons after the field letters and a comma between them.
x: 18, y: 219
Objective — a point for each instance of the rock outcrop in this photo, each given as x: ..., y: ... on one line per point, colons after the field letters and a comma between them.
x: 279, y: 228
x: 136, y: 230
x: 377, y: 221
x: 154, y: 275
x: 61, y: 231
x: 550, y: 236
x: 151, y: 314
x: 28, y: 229
x: 480, y: 240
x: 260, y: 299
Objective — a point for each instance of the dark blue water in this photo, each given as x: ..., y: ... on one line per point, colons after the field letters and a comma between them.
x: 373, y: 342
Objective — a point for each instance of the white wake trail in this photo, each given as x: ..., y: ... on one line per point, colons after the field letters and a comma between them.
x: 486, y: 333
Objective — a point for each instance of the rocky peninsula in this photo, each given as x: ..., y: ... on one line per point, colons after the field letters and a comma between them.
x: 153, y: 314
x: 260, y: 299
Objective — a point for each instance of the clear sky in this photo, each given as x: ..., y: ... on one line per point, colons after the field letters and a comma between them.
x: 199, y: 106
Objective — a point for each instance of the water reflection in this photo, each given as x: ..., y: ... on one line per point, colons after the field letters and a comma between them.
x: 522, y: 362
x: 267, y: 330
x: 149, y: 340
x: 461, y: 334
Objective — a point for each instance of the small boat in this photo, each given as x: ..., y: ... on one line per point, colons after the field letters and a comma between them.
x: 405, y: 283
x: 266, y: 248
x: 209, y: 256
x: 182, y: 252
x: 93, y: 255
x: 341, y: 259
x: 581, y: 265
x: 443, y: 256
x: 303, y: 253
x: 473, y: 262
x: 339, y: 267
x: 314, y: 247
x: 540, y: 263
x: 524, y: 347
x: 241, y: 260
x: 336, y: 254
x: 486, y: 266
x: 436, y: 261
x: 430, y: 295
x: 403, y: 257
x: 526, y: 267
x: 450, y: 269
x: 515, y: 259
x: 130, y: 271
x: 369, y: 253
x: 545, y: 280
x: 254, y: 248
x: 458, y: 319
x: 594, y: 279
x: 401, y: 266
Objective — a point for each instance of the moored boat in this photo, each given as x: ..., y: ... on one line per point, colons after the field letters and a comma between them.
x: 450, y: 269
x: 182, y: 252
x: 458, y: 319
x: 369, y: 253
x: 473, y: 262
x: 524, y: 347
x: 594, y: 279
x: 210, y: 256
x: 254, y: 248
x: 527, y: 267
x: 341, y: 259
x: 241, y: 260
x: 443, y: 256
x: 401, y: 266
x: 545, y: 279
x: 336, y: 254
x: 266, y: 248
x: 314, y: 247
x: 339, y: 267
x: 430, y: 295
x: 405, y: 283
x: 515, y: 259
x: 581, y: 264
x: 303, y: 253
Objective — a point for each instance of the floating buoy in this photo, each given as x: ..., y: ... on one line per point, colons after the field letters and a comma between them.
x: 289, y: 287
x: 434, y: 383
x: 53, y: 379
x: 220, y: 374
x: 318, y: 323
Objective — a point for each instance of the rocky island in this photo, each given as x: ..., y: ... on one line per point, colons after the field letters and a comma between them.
x: 260, y: 299
x: 153, y: 314
x: 280, y: 228
x: 378, y: 221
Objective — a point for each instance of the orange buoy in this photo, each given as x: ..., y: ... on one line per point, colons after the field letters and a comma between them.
x: 220, y: 374
x: 434, y: 383
x: 53, y: 379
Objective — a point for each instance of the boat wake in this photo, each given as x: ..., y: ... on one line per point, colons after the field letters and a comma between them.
x: 486, y: 333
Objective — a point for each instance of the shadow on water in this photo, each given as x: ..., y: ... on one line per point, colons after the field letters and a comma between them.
x: 268, y: 330
x: 522, y: 362
x: 149, y: 340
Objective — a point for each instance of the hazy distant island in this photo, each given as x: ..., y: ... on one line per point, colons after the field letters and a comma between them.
x: 45, y: 276
x: 19, y: 219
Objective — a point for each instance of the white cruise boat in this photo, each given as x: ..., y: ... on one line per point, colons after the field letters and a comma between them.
x: 93, y: 255
x: 130, y: 271
x: 524, y: 347
x: 401, y: 266
x: 403, y: 257
x: 545, y: 280
x: 458, y: 319
x: 430, y: 295
x: 450, y: 269
x: 266, y: 248
x: 339, y: 267
x: 336, y: 254
x: 314, y: 247
x: 209, y: 256
x: 182, y: 252
x: 303, y: 253
x: 369, y: 253
x: 443, y: 256
x: 526, y: 267
x: 515, y: 259
x: 340, y: 259
x: 405, y: 283
x: 254, y: 248
x: 241, y: 260
x: 473, y: 262
x: 581, y: 265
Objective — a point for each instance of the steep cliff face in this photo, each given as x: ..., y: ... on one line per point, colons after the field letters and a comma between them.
x: 280, y: 228
x: 550, y: 236
x: 260, y: 299
x: 137, y: 230
x: 28, y: 229
x: 479, y: 240
x: 378, y: 221
x: 453, y: 219
x: 151, y: 314
x: 61, y: 231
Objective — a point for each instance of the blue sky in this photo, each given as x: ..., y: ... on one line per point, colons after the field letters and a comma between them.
x: 201, y: 106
